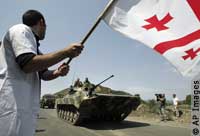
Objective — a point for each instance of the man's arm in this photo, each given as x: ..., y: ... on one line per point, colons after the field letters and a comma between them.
x: 48, y: 75
x: 53, y: 74
x: 41, y: 62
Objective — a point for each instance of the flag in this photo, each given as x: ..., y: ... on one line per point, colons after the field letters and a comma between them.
x: 170, y: 27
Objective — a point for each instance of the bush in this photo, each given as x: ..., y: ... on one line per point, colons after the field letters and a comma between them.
x: 153, y: 106
x: 188, y: 100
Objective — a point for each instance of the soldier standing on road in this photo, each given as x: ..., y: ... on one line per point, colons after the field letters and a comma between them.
x: 22, y: 65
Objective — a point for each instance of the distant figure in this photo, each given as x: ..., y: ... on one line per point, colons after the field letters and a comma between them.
x: 71, y: 89
x: 78, y: 83
x: 162, y: 103
x: 86, y: 80
x: 86, y: 84
x: 175, y: 103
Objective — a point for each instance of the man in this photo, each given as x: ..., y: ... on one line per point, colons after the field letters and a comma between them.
x: 162, y: 103
x: 22, y: 65
x: 175, y: 103
x: 87, y: 84
x: 78, y: 83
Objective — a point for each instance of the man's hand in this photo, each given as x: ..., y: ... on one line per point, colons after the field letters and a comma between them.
x: 74, y: 50
x: 62, y: 70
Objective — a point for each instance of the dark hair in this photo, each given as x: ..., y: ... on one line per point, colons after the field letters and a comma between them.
x: 159, y: 96
x: 31, y: 17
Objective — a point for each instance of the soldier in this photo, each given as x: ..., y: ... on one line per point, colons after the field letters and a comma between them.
x: 86, y: 84
x: 78, y: 83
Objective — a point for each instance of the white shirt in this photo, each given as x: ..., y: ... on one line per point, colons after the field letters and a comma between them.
x: 19, y: 91
x: 175, y: 101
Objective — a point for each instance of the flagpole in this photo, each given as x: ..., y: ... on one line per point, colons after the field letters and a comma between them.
x: 107, y: 8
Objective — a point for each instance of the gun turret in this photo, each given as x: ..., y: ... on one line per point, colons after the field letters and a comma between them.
x: 95, y: 86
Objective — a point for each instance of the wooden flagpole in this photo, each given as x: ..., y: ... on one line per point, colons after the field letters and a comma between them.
x: 109, y: 5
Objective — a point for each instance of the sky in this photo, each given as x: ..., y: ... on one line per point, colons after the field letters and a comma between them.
x: 137, y: 68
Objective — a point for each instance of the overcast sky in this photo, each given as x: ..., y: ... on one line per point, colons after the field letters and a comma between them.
x: 137, y: 68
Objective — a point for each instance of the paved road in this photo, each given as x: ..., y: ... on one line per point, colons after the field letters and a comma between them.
x: 50, y: 125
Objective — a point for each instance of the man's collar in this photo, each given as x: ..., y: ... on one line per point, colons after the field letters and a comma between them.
x: 37, y: 39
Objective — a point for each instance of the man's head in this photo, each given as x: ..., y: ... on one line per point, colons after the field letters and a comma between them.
x: 159, y: 96
x: 36, y: 21
x: 174, y: 95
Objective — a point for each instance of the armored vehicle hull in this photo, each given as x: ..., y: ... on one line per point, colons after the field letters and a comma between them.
x: 78, y: 106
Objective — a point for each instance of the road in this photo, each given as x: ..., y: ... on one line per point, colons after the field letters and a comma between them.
x: 50, y: 125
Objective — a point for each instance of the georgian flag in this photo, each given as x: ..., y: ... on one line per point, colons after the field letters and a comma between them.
x: 171, y: 27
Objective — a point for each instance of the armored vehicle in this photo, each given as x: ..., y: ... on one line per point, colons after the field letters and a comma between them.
x: 48, y: 100
x: 84, y: 104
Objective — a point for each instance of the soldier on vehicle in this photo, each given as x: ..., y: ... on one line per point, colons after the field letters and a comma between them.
x: 86, y: 84
x: 78, y: 83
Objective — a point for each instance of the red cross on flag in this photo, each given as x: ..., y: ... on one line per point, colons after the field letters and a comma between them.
x: 171, y: 27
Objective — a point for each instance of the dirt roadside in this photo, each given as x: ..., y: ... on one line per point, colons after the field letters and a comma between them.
x: 175, y: 123
x: 143, y: 114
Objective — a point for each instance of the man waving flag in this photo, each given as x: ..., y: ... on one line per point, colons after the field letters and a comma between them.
x: 170, y: 27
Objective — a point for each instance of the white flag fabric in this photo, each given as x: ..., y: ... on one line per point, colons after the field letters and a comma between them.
x: 171, y: 27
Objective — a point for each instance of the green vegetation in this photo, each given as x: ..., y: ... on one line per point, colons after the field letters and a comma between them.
x: 106, y: 90
x: 153, y: 106
x: 188, y: 100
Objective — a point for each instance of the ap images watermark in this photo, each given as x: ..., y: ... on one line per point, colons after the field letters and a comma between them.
x: 195, y: 107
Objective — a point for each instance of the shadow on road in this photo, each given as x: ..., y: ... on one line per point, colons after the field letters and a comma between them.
x: 40, y: 130
x: 113, y: 125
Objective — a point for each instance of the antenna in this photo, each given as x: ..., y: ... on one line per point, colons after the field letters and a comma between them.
x: 73, y: 78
